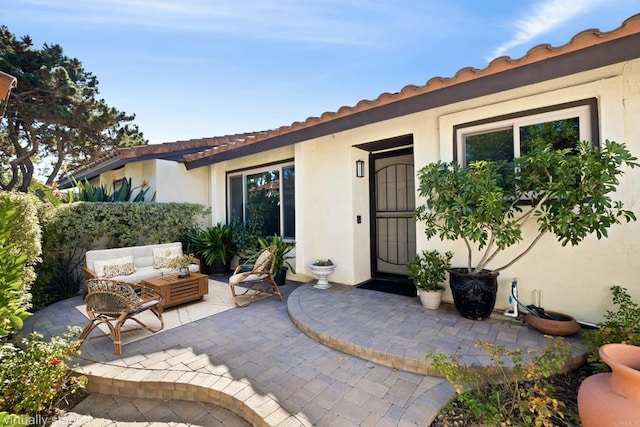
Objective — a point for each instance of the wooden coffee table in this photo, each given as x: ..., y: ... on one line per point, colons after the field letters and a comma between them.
x: 176, y: 290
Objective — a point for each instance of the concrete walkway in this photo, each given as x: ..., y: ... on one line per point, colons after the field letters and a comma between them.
x: 337, y: 357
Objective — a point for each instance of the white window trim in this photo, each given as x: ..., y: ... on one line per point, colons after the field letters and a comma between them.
x: 260, y: 169
x: 583, y: 112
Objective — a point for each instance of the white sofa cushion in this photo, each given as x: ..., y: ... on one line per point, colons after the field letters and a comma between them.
x: 143, y: 261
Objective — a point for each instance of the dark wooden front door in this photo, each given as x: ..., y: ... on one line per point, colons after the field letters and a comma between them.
x: 394, y: 229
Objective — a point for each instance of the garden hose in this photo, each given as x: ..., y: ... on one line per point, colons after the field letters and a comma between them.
x: 534, y: 310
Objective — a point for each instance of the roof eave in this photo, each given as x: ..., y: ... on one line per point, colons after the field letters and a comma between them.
x: 592, y: 57
x: 109, y: 165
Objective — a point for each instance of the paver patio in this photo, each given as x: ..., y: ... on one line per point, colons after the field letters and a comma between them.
x: 342, y: 356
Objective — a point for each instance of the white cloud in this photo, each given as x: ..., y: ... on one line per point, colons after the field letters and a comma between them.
x: 543, y: 18
x: 345, y: 22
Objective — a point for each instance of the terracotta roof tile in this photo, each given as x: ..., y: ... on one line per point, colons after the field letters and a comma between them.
x: 216, y: 145
x: 158, y: 150
x: 540, y: 52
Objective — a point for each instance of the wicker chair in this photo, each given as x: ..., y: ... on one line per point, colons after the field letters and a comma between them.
x: 112, y: 302
x: 254, y: 278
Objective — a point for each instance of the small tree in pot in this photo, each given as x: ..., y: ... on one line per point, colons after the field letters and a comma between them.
x: 567, y: 192
x: 428, y: 271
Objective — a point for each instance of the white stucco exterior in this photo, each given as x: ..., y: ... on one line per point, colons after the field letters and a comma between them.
x: 329, y: 198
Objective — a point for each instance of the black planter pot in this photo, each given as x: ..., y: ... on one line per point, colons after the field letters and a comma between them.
x: 474, y: 295
x: 280, y: 277
x: 220, y: 267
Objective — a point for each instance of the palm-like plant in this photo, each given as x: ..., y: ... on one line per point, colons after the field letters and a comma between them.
x: 212, y: 243
x: 281, y: 254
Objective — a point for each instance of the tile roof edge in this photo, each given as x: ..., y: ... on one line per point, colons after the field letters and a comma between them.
x: 541, y: 52
x: 581, y: 40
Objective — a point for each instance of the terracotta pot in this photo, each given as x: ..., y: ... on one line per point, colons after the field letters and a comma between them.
x: 562, y: 325
x: 612, y: 399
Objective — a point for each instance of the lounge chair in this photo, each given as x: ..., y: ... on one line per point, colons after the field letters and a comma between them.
x: 254, y: 278
x: 112, y: 302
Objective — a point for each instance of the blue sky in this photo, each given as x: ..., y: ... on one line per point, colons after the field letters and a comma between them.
x: 201, y: 68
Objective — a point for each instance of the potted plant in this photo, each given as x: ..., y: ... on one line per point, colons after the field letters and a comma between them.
x: 322, y: 269
x: 428, y: 271
x: 566, y: 192
x: 281, y: 256
x: 182, y: 263
x: 214, y: 245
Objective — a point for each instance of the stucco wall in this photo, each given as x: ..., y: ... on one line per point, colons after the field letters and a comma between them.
x: 329, y: 197
x: 575, y: 280
x: 174, y: 183
x: 138, y: 172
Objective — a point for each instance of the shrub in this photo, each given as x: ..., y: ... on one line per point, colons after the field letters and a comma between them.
x: 620, y: 326
x: 524, y: 395
x: 428, y: 269
x: 33, y: 377
x: 19, y: 251
x: 69, y: 230
x: 212, y: 243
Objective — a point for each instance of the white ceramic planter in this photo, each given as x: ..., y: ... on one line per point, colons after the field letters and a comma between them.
x: 430, y: 299
x: 322, y: 273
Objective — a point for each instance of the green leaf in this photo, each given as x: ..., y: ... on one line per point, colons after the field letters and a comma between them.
x: 16, y: 322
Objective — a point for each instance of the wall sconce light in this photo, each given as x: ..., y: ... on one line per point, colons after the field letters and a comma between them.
x: 360, y: 168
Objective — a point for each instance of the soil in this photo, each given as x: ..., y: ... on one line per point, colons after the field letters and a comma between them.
x: 65, y: 404
x: 566, y: 390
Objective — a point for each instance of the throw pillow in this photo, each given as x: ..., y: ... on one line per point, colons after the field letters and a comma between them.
x: 162, y: 256
x: 114, y: 267
x: 263, y: 263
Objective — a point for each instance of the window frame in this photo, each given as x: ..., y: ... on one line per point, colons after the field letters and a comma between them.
x: 586, y: 110
x: 244, y: 173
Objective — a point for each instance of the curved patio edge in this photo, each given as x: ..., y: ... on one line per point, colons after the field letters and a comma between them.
x: 338, y: 318
x: 258, y: 408
x: 306, y: 324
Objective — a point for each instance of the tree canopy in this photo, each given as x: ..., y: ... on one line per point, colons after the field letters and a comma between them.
x: 53, y: 116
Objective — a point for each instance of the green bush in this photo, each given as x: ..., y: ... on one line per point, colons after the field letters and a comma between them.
x: 620, y: 326
x: 19, y: 252
x: 523, y: 394
x: 69, y: 230
x: 429, y: 268
x: 35, y: 375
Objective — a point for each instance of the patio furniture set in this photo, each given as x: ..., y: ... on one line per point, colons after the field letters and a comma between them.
x: 122, y: 283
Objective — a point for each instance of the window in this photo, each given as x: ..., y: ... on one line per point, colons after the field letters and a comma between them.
x: 268, y: 190
x: 507, y: 137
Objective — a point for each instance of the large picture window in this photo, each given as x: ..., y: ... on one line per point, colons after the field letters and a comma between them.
x: 268, y: 191
x: 508, y: 137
